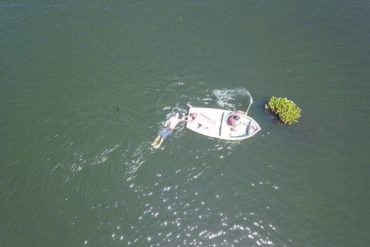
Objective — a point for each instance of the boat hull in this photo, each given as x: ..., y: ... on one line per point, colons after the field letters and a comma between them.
x: 213, y: 122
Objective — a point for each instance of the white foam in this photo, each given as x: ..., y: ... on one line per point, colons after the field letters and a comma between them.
x: 226, y: 97
x: 214, y: 235
x: 137, y: 160
x: 103, y: 156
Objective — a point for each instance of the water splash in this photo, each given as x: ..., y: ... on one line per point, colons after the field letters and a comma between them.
x: 172, y: 207
x: 78, y: 161
x: 103, y: 156
x: 229, y: 97
x: 137, y: 159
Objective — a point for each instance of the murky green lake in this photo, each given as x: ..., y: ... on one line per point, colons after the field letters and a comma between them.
x: 86, y: 85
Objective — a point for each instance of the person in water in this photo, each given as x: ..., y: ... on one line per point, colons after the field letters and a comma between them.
x: 169, y: 127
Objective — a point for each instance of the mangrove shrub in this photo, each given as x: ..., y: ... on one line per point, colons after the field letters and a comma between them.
x: 286, y: 110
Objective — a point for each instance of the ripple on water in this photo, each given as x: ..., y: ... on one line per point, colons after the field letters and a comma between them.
x: 177, y: 206
x: 78, y: 161
x: 180, y: 216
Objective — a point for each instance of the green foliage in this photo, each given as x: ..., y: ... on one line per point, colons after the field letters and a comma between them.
x: 287, y: 111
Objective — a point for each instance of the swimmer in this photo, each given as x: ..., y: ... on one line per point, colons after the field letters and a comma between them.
x: 169, y: 127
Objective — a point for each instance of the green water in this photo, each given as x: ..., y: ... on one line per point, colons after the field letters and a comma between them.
x: 86, y: 85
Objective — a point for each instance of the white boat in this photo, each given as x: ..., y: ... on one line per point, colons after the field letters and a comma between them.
x: 222, y: 124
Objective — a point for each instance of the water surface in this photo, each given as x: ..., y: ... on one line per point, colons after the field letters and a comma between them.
x: 85, y: 87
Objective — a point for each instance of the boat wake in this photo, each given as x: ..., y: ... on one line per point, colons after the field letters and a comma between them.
x: 230, y: 98
x: 173, y: 197
x: 80, y: 160
x: 135, y: 161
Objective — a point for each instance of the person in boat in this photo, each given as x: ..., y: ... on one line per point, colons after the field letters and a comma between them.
x: 235, y: 118
x: 169, y: 127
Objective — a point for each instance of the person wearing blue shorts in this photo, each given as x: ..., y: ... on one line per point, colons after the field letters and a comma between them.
x: 168, y: 129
